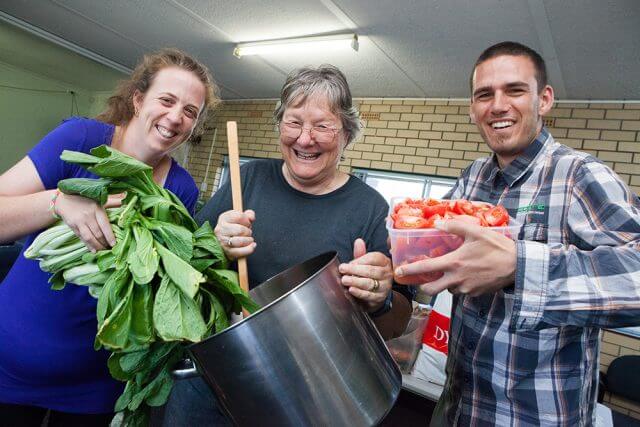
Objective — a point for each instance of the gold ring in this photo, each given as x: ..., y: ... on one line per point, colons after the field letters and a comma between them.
x: 230, y: 242
x: 376, y: 285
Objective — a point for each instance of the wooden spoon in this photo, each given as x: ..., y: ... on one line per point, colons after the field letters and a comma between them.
x: 236, y: 195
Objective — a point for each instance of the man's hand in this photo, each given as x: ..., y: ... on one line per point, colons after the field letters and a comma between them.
x: 485, y: 263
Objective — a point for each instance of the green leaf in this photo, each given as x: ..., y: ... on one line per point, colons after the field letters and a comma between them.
x: 74, y: 273
x: 205, y: 239
x: 176, y: 316
x: 222, y: 320
x: 228, y: 281
x: 86, y: 274
x: 129, y: 213
x: 121, y: 249
x: 129, y: 391
x: 148, y: 359
x: 139, y: 418
x: 94, y: 189
x: 57, y: 263
x: 202, y: 264
x: 111, y: 294
x: 176, y: 238
x: 47, y: 238
x: 45, y: 252
x: 106, y: 260
x: 115, y: 369
x: 79, y: 158
x: 57, y: 281
x: 157, y: 391
x: 187, y: 278
x: 152, y: 200
x: 160, y: 393
x: 114, y: 164
x: 95, y: 291
x: 114, y: 331
x: 217, y: 320
x: 201, y: 253
x: 143, y: 259
x: 141, y: 331
x: 185, y: 217
x: 89, y: 257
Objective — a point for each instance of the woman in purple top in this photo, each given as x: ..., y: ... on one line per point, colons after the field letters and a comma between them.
x: 47, y: 361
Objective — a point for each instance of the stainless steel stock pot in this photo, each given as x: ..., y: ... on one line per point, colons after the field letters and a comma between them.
x: 311, y: 356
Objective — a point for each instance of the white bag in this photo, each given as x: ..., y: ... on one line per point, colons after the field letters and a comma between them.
x: 435, y: 342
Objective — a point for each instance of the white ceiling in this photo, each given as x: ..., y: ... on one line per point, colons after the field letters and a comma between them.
x: 408, y: 48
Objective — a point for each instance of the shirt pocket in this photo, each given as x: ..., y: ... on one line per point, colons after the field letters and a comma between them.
x: 535, y: 232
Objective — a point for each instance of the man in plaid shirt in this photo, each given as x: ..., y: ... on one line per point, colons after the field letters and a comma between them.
x: 527, y: 314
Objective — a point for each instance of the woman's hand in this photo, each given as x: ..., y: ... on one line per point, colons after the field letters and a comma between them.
x: 87, y: 219
x: 368, y: 276
x: 233, y: 230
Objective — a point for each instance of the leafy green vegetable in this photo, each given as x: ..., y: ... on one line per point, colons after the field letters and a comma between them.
x: 163, y: 285
x: 175, y: 316
x: 143, y: 259
x: 94, y: 189
x: 182, y: 273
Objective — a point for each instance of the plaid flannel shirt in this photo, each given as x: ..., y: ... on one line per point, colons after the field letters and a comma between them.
x: 528, y: 355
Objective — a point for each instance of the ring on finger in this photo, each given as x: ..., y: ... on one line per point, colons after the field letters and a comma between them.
x: 376, y: 285
x: 230, y: 241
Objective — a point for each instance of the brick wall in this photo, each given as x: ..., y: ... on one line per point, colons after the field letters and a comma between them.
x: 612, y: 346
x: 437, y: 138
x: 429, y: 137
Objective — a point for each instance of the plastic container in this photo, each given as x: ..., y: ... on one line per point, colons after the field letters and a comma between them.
x: 404, y: 349
x: 411, y: 245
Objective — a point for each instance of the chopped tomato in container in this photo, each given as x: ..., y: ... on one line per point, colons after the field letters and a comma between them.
x: 414, y: 238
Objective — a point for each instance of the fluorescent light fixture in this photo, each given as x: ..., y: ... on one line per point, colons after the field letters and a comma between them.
x: 297, y: 45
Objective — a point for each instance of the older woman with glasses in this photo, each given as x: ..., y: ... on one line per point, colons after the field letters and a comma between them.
x: 301, y: 206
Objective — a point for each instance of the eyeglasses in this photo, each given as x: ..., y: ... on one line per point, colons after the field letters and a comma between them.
x: 321, y: 134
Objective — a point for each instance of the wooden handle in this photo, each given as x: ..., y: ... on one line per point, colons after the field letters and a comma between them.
x: 236, y: 194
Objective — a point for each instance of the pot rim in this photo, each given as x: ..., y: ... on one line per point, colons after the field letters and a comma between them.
x: 333, y: 256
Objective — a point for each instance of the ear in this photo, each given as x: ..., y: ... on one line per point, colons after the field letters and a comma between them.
x: 546, y: 99
x: 472, y: 115
x: 137, y: 99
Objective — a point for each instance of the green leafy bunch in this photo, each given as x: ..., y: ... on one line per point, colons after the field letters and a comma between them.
x: 164, y: 284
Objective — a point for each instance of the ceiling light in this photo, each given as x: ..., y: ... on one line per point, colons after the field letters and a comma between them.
x: 302, y: 44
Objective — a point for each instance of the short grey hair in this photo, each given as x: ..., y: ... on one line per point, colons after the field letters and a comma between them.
x: 325, y: 80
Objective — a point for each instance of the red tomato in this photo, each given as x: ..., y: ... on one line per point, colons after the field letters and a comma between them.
x: 438, y: 251
x: 430, y: 210
x: 480, y: 216
x: 422, y: 213
x: 406, y: 221
x: 497, y: 216
x: 432, y: 219
x: 463, y: 207
x: 409, y: 211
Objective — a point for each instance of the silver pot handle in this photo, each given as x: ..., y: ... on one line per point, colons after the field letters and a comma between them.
x: 184, y: 369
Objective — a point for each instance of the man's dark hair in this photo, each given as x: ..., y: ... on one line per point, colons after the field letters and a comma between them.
x: 514, y: 49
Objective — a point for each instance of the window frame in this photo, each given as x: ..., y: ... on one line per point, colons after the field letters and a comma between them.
x: 224, y: 173
x: 426, y: 180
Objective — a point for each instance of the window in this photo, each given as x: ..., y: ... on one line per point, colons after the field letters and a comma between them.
x: 225, y: 168
x: 389, y: 184
x: 393, y: 184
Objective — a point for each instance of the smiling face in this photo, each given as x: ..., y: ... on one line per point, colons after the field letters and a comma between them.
x: 310, y: 165
x: 168, y: 111
x: 507, y: 105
